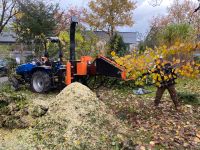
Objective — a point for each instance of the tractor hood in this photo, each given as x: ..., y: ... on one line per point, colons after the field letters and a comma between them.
x: 25, y: 68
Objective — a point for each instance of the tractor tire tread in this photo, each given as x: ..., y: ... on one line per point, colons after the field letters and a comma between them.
x: 46, y: 79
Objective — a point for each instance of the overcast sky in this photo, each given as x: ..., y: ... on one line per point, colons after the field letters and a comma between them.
x: 142, y: 14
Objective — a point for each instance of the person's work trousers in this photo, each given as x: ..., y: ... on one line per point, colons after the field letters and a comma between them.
x: 172, y: 92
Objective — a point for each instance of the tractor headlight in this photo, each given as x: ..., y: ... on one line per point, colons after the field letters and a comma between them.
x: 33, y: 62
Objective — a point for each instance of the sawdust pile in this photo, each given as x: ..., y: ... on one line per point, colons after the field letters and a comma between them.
x: 78, y: 119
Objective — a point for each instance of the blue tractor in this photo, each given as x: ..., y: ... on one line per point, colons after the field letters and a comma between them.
x: 42, y: 74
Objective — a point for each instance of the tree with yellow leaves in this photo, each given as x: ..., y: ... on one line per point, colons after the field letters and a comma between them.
x: 179, y: 55
x: 106, y: 15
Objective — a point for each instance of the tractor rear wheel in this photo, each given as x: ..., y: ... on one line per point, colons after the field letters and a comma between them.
x: 40, y: 82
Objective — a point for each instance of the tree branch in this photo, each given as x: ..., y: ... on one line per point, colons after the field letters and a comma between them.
x: 7, y: 13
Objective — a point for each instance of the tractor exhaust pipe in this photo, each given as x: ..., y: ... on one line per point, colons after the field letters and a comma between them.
x: 74, y: 22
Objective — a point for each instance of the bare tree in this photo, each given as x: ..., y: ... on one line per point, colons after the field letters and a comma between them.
x: 7, y: 12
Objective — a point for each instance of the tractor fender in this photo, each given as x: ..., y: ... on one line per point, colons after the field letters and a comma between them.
x: 41, y: 68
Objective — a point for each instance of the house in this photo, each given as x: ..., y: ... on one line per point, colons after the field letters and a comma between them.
x: 129, y: 38
x: 8, y: 37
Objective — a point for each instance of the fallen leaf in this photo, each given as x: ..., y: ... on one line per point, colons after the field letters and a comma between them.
x: 152, y: 143
x: 185, y: 144
x: 139, y: 142
x: 198, y: 135
x: 196, y: 140
x: 142, y: 148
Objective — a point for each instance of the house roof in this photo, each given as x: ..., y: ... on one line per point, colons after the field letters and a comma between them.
x: 102, y: 35
x: 128, y: 37
x: 8, y: 37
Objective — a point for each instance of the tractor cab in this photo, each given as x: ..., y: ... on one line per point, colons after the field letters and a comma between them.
x: 45, y: 60
x: 53, y: 63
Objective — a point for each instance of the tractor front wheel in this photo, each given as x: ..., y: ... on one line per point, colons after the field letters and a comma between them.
x: 40, y: 82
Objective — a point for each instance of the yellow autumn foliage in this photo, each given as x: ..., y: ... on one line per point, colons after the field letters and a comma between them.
x: 179, y: 55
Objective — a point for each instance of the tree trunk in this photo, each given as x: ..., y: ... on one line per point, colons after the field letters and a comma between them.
x: 1, y: 29
x: 112, y: 31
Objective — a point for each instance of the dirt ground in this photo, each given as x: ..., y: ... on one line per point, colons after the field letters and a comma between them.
x: 151, y: 128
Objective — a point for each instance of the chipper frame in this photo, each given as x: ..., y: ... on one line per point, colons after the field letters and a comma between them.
x: 87, y: 66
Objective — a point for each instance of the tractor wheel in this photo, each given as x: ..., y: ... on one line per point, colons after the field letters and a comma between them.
x: 40, y: 82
